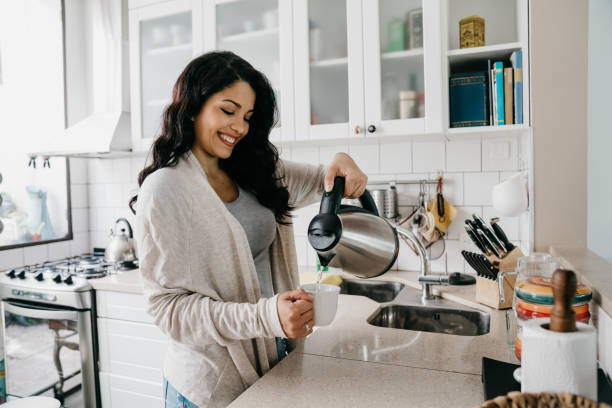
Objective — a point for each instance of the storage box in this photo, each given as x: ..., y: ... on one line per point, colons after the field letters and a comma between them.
x: 472, y: 32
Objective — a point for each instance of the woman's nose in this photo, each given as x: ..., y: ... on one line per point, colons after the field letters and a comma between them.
x: 240, y: 126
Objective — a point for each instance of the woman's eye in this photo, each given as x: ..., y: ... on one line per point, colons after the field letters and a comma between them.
x: 227, y: 112
x: 247, y: 120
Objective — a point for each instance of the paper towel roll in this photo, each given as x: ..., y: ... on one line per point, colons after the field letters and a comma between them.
x: 559, y: 362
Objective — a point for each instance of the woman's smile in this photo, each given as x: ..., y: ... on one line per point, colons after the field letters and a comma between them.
x: 227, y: 139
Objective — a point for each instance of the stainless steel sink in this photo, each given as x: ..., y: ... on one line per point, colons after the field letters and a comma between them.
x: 378, y: 291
x: 436, y: 319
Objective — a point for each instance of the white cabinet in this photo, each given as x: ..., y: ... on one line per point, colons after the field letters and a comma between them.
x: 260, y: 32
x: 354, y: 60
x: 131, y: 352
x: 164, y: 37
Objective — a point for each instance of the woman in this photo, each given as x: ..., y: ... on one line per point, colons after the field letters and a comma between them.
x: 214, y: 234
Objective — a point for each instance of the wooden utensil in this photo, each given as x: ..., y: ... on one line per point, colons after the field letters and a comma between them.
x: 562, y: 316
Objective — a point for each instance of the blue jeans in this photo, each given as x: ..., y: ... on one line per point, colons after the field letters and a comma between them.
x: 174, y: 399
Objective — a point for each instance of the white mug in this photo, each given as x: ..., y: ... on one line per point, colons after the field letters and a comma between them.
x: 510, y: 197
x: 325, y: 301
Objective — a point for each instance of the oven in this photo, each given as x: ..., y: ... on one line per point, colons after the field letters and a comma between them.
x: 50, y: 339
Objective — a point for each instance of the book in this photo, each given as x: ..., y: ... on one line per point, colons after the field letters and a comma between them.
x: 396, y: 35
x: 494, y: 97
x: 508, y: 96
x: 469, y: 99
x: 414, y: 37
x: 517, y: 64
x: 499, y: 92
x: 490, y: 73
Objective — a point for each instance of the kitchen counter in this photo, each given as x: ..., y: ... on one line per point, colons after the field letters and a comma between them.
x: 126, y: 281
x: 592, y: 270
x: 351, y: 363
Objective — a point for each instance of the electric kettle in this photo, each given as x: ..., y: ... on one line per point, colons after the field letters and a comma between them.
x: 121, y: 247
x: 353, y: 238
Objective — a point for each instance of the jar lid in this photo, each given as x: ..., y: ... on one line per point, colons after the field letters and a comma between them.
x: 408, y: 94
x: 538, y: 289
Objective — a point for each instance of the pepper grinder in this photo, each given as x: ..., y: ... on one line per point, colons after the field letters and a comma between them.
x: 560, y: 355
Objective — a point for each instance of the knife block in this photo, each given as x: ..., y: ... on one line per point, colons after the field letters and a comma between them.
x: 487, y: 290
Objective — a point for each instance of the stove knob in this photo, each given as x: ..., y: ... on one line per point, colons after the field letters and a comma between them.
x: 39, y: 276
x: 57, y: 278
x: 68, y: 280
x: 11, y: 274
x: 21, y: 274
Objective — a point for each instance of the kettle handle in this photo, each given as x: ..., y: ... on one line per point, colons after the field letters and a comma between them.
x: 330, y: 203
x: 128, y: 225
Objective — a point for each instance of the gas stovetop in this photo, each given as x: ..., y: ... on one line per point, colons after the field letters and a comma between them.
x: 70, y: 274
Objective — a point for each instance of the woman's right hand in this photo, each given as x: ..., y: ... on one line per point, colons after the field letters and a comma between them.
x: 294, y: 311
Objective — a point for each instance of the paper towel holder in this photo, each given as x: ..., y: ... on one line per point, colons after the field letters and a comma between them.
x: 562, y: 315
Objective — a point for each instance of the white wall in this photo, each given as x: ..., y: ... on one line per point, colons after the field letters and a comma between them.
x: 599, y: 216
x: 469, y: 176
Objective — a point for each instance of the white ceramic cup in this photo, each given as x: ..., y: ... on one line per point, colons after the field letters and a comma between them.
x: 510, y: 197
x: 325, y: 301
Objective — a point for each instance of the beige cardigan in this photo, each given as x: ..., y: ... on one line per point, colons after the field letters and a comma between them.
x: 200, y: 281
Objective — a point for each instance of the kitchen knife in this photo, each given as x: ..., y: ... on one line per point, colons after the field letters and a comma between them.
x: 468, y: 257
x: 488, y: 243
x: 479, y: 266
x: 488, y: 266
x: 488, y: 232
x: 480, y: 245
x: 499, y: 232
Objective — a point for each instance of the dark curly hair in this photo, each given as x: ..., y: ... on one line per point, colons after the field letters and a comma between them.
x: 253, y: 161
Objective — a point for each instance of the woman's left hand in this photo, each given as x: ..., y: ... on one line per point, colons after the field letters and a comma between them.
x: 355, y: 179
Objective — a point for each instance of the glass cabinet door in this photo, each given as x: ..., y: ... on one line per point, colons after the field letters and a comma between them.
x: 164, y: 44
x: 329, y: 74
x: 259, y: 31
x: 396, y: 65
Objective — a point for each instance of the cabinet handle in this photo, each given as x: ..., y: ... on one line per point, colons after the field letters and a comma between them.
x: 371, y: 128
x: 357, y: 129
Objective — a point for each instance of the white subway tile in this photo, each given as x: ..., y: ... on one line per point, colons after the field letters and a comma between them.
x: 499, y: 154
x: 78, y: 171
x: 11, y: 258
x: 121, y: 170
x: 129, y: 191
x: 510, y: 225
x: 114, y: 195
x: 35, y: 254
x: 137, y: 164
x: 478, y: 187
x: 463, y: 155
x: 505, y: 175
x: 456, y: 229
x: 79, y: 196
x: 93, y: 171
x: 428, y: 156
x: 100, y: 170
x: 98, y: 239
x: 302, y: 218
x: 93, y: 218
x: 366, y: 156
x: 452, y: 188
x: 305, y: 154
x: 105, y: 219
x: 327, y: 153
x: 80, y: 220
x: 408, y: 194
x: 407, y: 260
x: 59, y: 250
x: 97, y: 195
x: 453, y: 256
x: 396, y: 157
x: 80, y: 243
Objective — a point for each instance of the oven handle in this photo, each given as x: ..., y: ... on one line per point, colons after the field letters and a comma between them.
x: 40, y: 313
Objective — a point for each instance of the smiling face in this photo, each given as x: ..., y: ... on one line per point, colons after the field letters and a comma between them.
x: 223, y: 121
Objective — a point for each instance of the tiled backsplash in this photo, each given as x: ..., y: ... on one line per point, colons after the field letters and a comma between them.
x: 102, y: 188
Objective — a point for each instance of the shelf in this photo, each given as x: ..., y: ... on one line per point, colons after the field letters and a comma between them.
x: 250, y: 35
x: 485, y: 52
x: 169, y: 50
x: 334, y: 62
x: 402, y: 54
x: 487, y: 129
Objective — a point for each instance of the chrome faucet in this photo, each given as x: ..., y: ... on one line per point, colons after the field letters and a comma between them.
x: 425, y: 277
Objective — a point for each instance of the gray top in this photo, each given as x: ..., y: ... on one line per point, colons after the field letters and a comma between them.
x: 259, y: 225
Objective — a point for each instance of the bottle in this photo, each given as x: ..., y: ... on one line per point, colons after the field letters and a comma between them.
x: 407, y: 104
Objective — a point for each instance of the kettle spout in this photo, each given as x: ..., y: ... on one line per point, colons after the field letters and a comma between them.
x: 325, y: 258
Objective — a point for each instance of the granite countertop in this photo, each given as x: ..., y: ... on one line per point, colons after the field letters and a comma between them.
x: 351, y: 363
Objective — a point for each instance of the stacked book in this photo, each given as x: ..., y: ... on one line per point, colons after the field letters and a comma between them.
x: 488, y: 98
